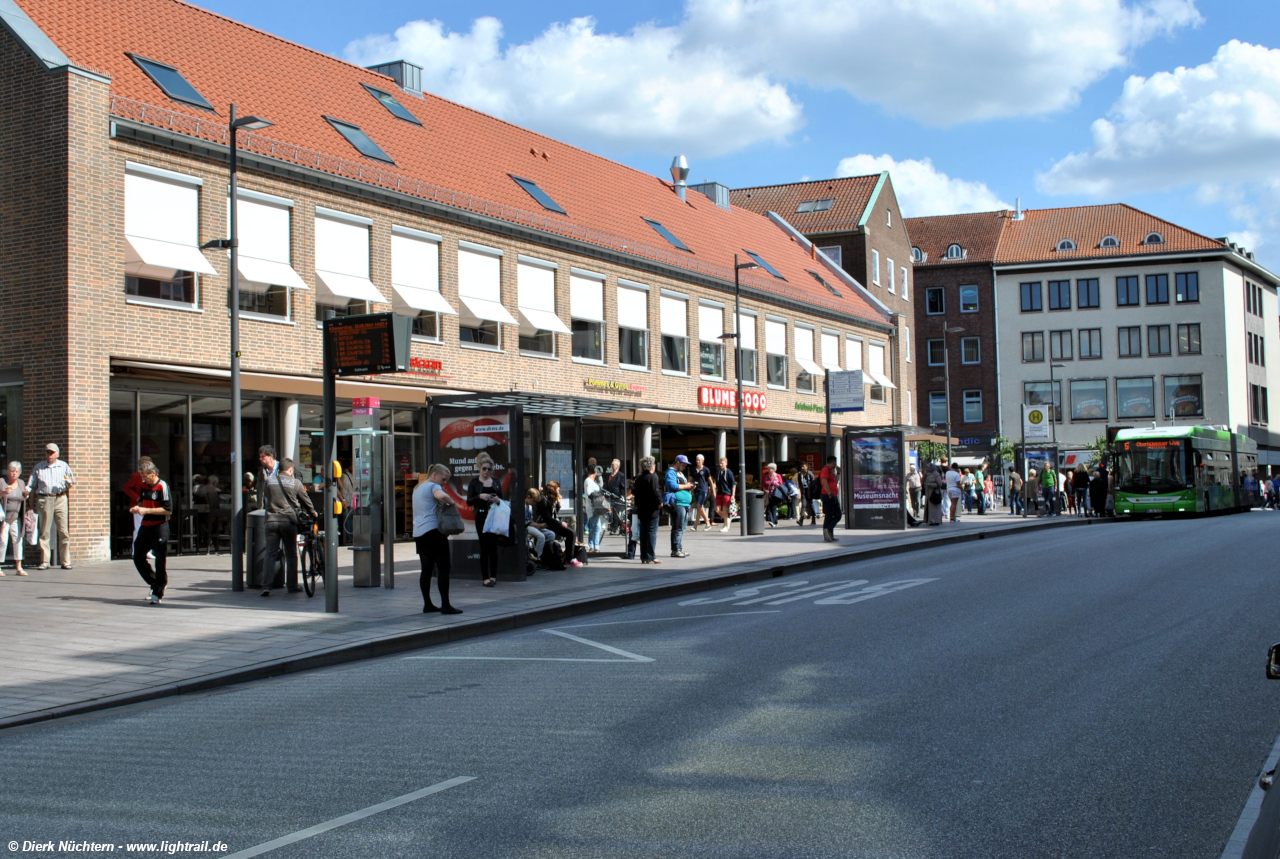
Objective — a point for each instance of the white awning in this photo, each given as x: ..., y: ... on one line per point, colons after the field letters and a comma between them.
x: 418, y: 300
x: 809, y: 367
x: 261, y: 273
x: 334, y: 288
x: 489, y: 311
x: 153, y: 258
x: 586, y: 298
x: 633, y: 308
x: 874, y: 378
x: 540, y: 320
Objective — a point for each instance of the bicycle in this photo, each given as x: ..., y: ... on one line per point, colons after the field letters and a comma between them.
x: 619, y: 519
x: 311, y: 558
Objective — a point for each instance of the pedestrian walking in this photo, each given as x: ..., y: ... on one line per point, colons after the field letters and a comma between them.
x: 132, y: 489
x: 703, y: 491
x: 597, y: 510
x: 1080, y: 486
x: 289, y: 510
x: 829, y: 479
x: 50, y: 481
x: 914, y: 484
x: 483, y: 492
x: 989, y: 493
x: 935, y: 492
x: 15, y: 509
x: 774, y: 494
x: 679, y: 495
x: 1049, y: 489
x: 725, y: 486
x: 647, y: 492
x: 431, y: 543
x: 1015, y: 493
x: 155, y: 506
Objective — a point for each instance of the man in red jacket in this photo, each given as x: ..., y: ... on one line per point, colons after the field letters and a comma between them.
x: 154, y: 507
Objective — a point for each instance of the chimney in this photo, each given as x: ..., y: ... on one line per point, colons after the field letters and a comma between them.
x: 715, y: 192
x: 406, y: 75
x: 679, y: 173
x: 1017, y: 214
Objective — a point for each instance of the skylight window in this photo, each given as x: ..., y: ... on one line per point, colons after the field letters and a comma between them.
x: 397, y: 109
x: 172, y: 82
x: 820, y: 279
x: 667, y: 234
x: 361, y: 141
x: 815, y: 206
x: 543, y: 198
x: 764, y: 265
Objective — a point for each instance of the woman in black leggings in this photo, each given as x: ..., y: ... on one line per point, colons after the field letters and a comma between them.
x: 430, y: 541
x: 483, y: 491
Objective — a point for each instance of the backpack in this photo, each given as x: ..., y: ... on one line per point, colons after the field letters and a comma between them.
x: 553, y: 556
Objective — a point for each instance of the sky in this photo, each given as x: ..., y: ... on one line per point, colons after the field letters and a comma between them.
x: 1172, y: 106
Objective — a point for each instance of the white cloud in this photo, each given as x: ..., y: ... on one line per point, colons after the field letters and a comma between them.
x: 639, y: 91
x: 1215, y: 126
x: 923, y: 189
x: 941, y: 61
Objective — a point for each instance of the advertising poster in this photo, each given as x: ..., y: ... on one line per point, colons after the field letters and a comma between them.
x: 876, y: 481
x: 461, y: 440
x: 1136, y: 398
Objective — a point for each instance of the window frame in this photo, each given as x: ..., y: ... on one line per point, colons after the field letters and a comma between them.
x: 142, y: 63
x: 929, y: 345
x: 406, y: 116
x: 1031, y: 294
x: 1095, y: 336
x: 1056, y: 340
x: 1165, y: 381
x: 1151, y: 380
x: 929, y: 293
x: 1132, y: 285
x: 1185, y: 327
x: 1186, y: 287
x: 875, y: 267
x: 938, y: 398
x: 971, y: 289
x: 377, y: 153
x: 776, y: 360
x: 1055, y: 396
x: 837, y: 257
x: 1093, y: 301
x: 624, y: 331
x: 1106, y: 399
x: 970, y: 397
x: 1059, y: 289
x: 1160, y: 282
x: 716, y: 347
x: 541, y: 197
x: 1164, y: 338
x: 977, y: 344
x: 1030, y: 338
x: 1123, y: 349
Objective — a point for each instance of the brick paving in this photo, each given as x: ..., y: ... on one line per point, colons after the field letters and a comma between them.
x: 86, y: 636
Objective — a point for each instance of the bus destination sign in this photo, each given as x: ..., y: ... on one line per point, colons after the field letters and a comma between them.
x: 369, y: 343
x: 1153, y: 444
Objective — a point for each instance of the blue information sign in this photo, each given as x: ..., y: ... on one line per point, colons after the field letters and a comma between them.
x: 846, y: 390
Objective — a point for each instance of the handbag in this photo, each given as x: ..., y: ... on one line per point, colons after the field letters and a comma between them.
x: 498, y: 521
x: 935, y: 496
x: 304, y: 521
x: 448, y: 519
x: 30, y: 525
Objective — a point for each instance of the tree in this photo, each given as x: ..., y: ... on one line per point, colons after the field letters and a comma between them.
x: 1099, y: 447
x: 1002, y: 448
x: 931, y: 451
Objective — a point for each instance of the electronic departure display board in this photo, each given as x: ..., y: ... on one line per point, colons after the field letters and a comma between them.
x: 370, y: 343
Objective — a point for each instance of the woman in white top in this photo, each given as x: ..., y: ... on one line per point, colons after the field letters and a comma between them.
x: 431, y: 543
x: 953, y: 490
x: 596, y: 514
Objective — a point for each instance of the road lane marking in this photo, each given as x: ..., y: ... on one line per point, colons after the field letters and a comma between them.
x: 627, y: 656
x: 812, y: 592
x: 870, y: 592
x: 673, y: 617
x: 312, y: 831
x: 743, y: 593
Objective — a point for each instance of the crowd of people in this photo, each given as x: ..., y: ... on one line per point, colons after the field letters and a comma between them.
x: 939, y: 494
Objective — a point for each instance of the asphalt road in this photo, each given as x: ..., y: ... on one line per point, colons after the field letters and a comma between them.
x: 1078, y: 692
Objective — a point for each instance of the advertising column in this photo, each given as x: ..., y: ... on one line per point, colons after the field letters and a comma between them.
x: 876, y: 480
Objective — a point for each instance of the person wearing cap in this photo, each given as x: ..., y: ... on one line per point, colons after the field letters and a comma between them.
x: 678, y: 498
x: 50, y: 481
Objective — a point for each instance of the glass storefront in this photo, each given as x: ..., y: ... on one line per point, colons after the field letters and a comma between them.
x: 11, y: 426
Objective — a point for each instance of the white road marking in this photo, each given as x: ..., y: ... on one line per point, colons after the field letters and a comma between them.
x: 743, y: 593
x: 870, y: 592
x: 1252, y: 807
x: 813, y: 592
x: 634, y: 657
x: 673, y: 617
x: 312, y: 831
x: 626, y: 654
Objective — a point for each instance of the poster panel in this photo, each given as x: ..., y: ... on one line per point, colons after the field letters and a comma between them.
x: 876, y: 479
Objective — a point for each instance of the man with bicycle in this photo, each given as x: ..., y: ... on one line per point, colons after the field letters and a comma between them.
x: 287, y: 504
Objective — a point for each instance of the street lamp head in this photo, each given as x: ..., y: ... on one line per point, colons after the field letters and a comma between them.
x: 744, y: 266
x: 955, y: 330
x: 251, y: 123
x: 1059, y: 366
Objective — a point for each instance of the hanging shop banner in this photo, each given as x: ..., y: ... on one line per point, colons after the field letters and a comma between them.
x: 1035, y: 423
x: 846, y: 390
x: 727, y: 398
x: 876, y: 479
x: 459, y: 438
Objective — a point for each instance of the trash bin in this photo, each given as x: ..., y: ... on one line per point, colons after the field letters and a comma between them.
x: 755, y: 512
x: 255, y: 545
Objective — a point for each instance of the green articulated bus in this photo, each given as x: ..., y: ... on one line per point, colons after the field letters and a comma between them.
x: 1185, y: 470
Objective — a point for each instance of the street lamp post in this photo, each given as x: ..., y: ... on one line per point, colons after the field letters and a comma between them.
x: 737, y: 366
x: 946, y: 373
x: 1053, y: 395
x: 234, y: 124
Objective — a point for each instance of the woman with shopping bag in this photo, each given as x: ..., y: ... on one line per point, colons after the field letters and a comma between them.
x: 484, y: 492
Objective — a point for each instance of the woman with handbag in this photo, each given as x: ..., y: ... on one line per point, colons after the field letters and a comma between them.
x: 483, y: 491
x: 774, y: 494
x: 435, y: 517
x: 547, y: 511
x: 15, y: 495
x: 597, y: 508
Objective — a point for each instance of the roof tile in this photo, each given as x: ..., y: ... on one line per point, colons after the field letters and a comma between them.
x: 852, y: 194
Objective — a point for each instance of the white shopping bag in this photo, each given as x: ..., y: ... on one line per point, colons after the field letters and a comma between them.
x: 499, y: 519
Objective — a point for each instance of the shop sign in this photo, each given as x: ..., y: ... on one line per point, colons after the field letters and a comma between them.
x: 426, y: 367
x: 615, y: 387
x: 810, y: 407
x: 727, y: 398
x: 366, y: 402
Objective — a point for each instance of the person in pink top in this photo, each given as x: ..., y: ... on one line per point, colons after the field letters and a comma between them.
x: 774, y: 494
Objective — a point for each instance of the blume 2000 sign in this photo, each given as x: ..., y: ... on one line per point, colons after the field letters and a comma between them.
x: 728, y: 398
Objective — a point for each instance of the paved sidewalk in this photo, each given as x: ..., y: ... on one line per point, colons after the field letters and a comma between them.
x: 86, y: 638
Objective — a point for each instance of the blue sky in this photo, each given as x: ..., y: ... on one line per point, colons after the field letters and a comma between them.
x: 969, y: 103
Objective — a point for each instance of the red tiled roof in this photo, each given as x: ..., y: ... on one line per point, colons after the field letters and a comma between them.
x: 978, y: 233
x: 852, y: 194
x: 1036, y: 236
x: 458, y: 155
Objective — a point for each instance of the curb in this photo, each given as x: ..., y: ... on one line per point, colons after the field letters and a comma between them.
x: 399, y: 643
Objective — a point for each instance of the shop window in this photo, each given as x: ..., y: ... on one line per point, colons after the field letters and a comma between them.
x: 972, y: 407
x: 969, y: 299
x: 710, y: 346
x: 1031, y: 299
x: 775, y: 348
x: 1189, y: 339
x: 970, y: 350
x: 746, y: 341
x: 1042, y: 394
x: 1184, y: 396
x: 1127, y: 291
x: 1060, y: 345
x: 586, y: 307
x: 1032, y: 346
x: 674, y: 321
x: 1130, y: 341
x: 633, y: 333
x: 1088, y: 399
x: 937, y: 407
x: 1087, y: 293
x: 1136, y: 398
x: 1187, y: 285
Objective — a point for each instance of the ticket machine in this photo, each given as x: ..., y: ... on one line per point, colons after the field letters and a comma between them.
x: 367, y: 492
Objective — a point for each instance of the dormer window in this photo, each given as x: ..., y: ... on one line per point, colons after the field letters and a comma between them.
x: 1109, y: 242
x: 1153, y: 239
x: 916, y: 255
x: 1066, y: 245
x: 954, y: 251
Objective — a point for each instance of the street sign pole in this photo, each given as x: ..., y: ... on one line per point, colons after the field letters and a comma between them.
x: 331, y: 484
x: 1023, y: 422
x: 826, y: 390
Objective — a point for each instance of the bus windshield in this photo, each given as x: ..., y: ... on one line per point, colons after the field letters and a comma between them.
x: 1143, y: 466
